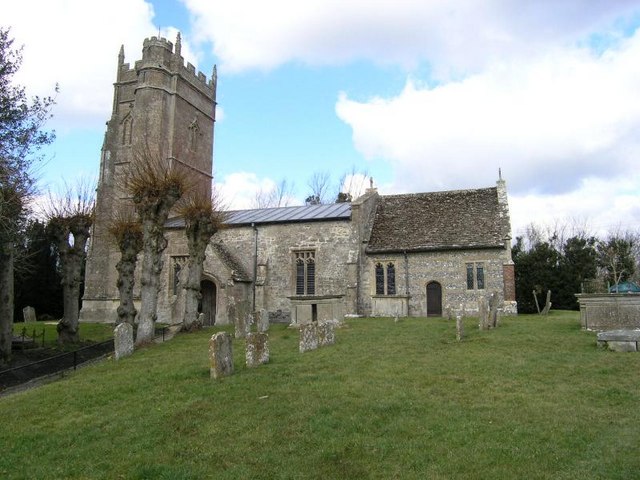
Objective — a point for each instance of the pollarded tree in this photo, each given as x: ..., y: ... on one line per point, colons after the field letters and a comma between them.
x: 69, y: 220
x: 21, y: 136
x: 128, y: 235
x: 203, y: 218
x: 155, y: 185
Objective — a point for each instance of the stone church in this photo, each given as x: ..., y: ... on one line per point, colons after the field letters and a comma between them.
x: 418, y: 254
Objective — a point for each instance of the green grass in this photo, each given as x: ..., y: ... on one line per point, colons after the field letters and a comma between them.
x: 533, y: 399
x: 89, y: 332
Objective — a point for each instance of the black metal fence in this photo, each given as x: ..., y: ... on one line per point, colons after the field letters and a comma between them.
x: 62, y: 362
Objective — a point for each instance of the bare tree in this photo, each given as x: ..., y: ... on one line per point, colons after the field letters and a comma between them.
x: 128, y: 235
x: 279, y: 196
x: 352, y: 184
x: 319, y: 185
x: 155, y: 185
x: 203, y: 218
x: 69, y: 220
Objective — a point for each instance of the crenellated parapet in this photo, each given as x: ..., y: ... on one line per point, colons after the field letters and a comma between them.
x: 162, y: 55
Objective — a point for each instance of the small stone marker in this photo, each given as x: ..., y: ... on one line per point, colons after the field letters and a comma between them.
x: 241, y: 325
x: 29, y: 314
x: 483, y: 314
x: 262, y: 320
x: 308, y: 337
x: 257, y: 349
x: 326, y: 334
x: 220, y: 355
x: 123, y: 340
x: 459, y: 328
x: 493, y: 310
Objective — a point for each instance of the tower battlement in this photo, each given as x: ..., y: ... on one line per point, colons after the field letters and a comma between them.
x: 159, y: 52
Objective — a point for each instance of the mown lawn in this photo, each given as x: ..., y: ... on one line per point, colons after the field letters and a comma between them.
x: 533, y: 399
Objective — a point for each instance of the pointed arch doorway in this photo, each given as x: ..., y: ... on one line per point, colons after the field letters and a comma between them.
x: 434, y: 299
x: 207, y: 304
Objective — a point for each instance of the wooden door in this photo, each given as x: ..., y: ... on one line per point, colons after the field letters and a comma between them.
x: 434, y: 299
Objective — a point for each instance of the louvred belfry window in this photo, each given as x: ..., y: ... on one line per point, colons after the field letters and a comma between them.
x: 305, y: 265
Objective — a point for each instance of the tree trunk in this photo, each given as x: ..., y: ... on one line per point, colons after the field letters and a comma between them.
x: 6, y: 301
x: 72, y: 259
x: 192, y: 294
x: 129, y: 248
x: 154, y: 244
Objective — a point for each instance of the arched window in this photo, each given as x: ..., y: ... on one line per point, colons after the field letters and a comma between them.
x: 305, y: 265
x: 127, y: 128
x: 385, y: 278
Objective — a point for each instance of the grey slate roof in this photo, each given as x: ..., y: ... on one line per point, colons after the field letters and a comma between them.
x: 332, y: 211
x: 438, y: 221
x: 260, y: 216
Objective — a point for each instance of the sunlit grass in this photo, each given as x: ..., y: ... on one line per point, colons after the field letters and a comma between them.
x: 532, y: 399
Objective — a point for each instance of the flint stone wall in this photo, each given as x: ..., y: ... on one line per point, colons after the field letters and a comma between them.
x: 445, y: 267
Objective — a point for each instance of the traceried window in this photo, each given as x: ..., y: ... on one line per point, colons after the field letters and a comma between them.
x: 385, y: 278
x: 475, y: 276
x: 305, y: 264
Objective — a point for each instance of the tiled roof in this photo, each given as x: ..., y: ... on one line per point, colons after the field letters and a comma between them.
x: 439, y: 221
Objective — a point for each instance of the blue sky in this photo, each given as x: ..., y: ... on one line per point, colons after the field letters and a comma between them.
x: 419, y: 95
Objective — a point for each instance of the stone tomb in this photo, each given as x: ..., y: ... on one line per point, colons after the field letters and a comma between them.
x: 257, y: 352
x: 619, y: 340
x: 123, y: 340
x: 220, y: 355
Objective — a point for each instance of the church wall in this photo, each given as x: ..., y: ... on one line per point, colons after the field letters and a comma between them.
x: 449, y: 268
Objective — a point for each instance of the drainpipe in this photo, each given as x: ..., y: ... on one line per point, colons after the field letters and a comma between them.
x: 406, y: 278
x: 255, y: 265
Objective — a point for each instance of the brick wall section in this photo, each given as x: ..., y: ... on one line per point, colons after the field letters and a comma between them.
x: 509, y: 276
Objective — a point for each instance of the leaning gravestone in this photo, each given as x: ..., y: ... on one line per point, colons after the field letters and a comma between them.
x: 220, y: 355
x: 326, y: 334
x: 29, y: 314
x: 257, y: 349
x: 308, y: 337
x: 123, y: 340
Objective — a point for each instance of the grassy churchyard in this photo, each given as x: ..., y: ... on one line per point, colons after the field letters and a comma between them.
x: 533, y: 399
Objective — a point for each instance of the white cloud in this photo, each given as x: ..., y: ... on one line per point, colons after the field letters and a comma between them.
x: 548, y: 122
x: 238, y: 190
x: 452, y: 36
x: 75, y: 43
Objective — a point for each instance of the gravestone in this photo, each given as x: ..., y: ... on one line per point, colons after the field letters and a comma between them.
x: 483, y: 314
x: 308, y: 337
x: 123, y: 340
x: 493, y: 310
x: 241, y: 324
x: 257, y: 349
x: 262, y: 320
x: 29, y: 314
x: 220, y: 355
x: 326, y: 334
x: 459, y: 328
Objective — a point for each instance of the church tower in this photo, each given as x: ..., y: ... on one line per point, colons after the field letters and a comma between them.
x: 162, y: 107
